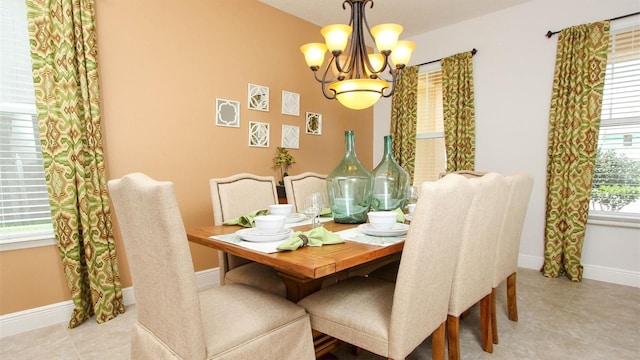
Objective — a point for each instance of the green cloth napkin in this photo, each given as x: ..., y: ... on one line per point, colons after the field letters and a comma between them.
x: 400, y: 217
x: 315, y: 237
x: 325, y: 212
x: 246, y: 220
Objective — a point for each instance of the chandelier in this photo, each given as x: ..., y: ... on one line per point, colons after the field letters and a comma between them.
x: 353, y: 76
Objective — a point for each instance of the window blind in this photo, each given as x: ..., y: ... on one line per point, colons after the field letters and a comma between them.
x: 616, y: 182
x: 430, y: 152
x: 24, y: 202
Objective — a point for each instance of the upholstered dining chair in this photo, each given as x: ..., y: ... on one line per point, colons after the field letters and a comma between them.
x: 473, y: 274
x: 235, y: 196
x: 299, y: 186
x: 508, y: 246
x: 392, y: 319
x: 174, y: 320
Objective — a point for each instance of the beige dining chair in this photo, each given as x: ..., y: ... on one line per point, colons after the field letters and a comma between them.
x: 473, y: 275
x: 389, y: 319
x: 174, y: 320
x: 235, y: 196
x: 298, y: 187
x: 508, y: 246
x: 466, y: 173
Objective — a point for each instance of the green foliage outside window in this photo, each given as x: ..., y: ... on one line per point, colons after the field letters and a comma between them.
x: 616, y: 182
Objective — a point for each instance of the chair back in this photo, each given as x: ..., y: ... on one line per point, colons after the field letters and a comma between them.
x: 432, y: 245
x: 473, y: 276
x: 466, y: 173
x: 298, y: 187
x: 155, y: 241
x: 240, y: 194
x: 508, y: 247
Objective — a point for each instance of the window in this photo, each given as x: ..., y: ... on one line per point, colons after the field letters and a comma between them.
x: 616, y: 183
x: 25, y: 217
x: 430, y: 159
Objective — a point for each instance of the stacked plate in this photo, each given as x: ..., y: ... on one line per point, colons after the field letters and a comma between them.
x: 255, y: 235
x: 397, y: 230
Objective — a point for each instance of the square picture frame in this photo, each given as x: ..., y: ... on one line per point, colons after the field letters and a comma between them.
x: 258, y: 134
x: 290, y: 137
x: 313, y: 123
x: 290, y: 103
x: 227, y: 113
x: 258, y: 97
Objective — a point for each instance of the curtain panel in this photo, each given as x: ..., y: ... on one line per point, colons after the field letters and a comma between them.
x: 65, y: 73
x: 574, y: 124
x: 404, y: 117
x: 459, y: 111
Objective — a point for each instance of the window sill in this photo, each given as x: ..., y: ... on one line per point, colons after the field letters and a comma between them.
x: 27, y: 242
x: 624, y: 221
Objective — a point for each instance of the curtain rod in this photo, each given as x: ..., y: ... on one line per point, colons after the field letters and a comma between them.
x: 473, y: 52
x: 550, y: 33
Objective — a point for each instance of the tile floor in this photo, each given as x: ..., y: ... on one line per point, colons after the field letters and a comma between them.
x: 558, y: 319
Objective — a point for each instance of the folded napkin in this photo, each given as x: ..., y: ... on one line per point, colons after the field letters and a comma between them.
x: 315, y: 237
x: 325, y: 212
x: 400, y: 217
x: 246, y: 220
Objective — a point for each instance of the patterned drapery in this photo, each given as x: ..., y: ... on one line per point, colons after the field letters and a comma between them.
x: 459, y: 111
x: 574, y: 123
x: 65, y: 73
x: 404, y: 116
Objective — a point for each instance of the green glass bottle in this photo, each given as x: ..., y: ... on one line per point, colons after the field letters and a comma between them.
x: 349, y: 186
x: 390, y: 182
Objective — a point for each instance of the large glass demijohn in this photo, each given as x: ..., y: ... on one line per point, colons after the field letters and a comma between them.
x: 349, y: 186
x: 390, y: 182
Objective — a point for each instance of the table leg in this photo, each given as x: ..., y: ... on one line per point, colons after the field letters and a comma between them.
x: 298, y: 288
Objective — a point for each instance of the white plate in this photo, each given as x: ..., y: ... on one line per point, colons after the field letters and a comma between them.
x: 294, y: 218
x: 397, y: 230
x: 256, y: 235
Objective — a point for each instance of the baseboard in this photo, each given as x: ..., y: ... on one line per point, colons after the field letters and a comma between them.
x: 592, y: 272
x: 31, y: 319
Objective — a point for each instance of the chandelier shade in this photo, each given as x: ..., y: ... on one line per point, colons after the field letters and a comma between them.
x: 354, y: 75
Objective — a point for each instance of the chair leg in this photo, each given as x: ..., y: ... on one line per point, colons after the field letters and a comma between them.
x: 512, y: 301
x: 437, y: 341
x: 494, y: 317
x: 453, y: 337
x: 485, y: 323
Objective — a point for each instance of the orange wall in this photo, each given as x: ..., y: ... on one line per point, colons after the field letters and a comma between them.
x: 162, y: 65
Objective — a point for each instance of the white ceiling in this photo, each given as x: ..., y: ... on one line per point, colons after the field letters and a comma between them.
x: 416, y: 16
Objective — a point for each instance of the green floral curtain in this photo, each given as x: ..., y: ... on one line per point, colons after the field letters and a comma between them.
x: 404, y: 116
x: 459, y: 111
x: 65, y: 73
x: 574, y: 123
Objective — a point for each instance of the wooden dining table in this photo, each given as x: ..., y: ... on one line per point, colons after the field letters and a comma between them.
x: 305, y: 270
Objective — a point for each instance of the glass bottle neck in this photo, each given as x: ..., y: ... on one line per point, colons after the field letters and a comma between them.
x: 388, y: 146
x: 349, y: 144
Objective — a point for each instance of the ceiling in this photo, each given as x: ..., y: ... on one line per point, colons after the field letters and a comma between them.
x: 416, y: 16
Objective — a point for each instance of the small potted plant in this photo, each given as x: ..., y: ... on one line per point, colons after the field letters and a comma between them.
x: 282, y: 161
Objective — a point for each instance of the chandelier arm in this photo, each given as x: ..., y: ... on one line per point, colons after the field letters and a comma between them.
x: 397, y: 74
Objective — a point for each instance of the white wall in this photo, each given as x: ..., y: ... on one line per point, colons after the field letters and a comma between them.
x: 513, y: 76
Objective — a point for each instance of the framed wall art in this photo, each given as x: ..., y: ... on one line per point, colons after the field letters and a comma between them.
x: 258, y: 97
x: 313, y: 124
x: 227, y: 113
x: 290, y: 103
x: 258, y: 134
x: 290, y: 137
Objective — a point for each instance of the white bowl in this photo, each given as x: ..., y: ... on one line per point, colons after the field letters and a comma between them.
x: 411, y: 208
x: 280, y: 209
x: 382, y: 220
x: 269, y: 224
